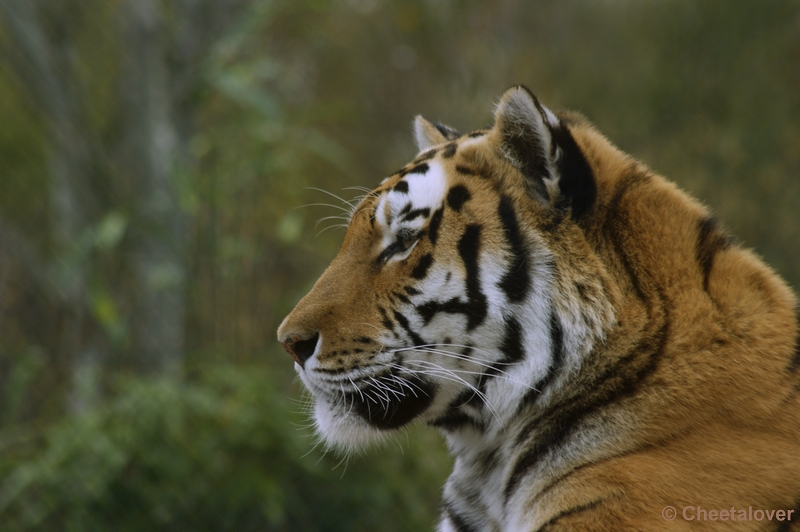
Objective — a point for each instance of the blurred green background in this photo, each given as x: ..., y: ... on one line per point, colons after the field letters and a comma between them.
x: 154, y: 158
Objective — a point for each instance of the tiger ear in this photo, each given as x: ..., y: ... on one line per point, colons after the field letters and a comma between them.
x: 524, y: 126
x: 427, y: 134
x: 534, y: 140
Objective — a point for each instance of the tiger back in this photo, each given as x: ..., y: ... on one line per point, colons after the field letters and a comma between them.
x: 593, y: 345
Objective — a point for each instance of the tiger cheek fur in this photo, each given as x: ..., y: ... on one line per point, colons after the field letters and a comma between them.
x: 591, y: 343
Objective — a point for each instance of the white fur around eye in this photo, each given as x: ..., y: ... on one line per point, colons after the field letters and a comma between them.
x: 424, y: 191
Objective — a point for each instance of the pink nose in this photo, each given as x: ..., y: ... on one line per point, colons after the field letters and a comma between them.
x: 300, y: 349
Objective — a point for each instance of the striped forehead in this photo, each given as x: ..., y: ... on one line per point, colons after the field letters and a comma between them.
x: 411, y: 200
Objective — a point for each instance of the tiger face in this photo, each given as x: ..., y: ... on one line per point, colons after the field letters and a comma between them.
x: 440, y: 305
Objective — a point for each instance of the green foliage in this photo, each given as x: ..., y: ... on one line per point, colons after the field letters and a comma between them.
x: 219, y: 453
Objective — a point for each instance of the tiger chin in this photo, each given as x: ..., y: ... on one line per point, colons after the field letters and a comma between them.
x: 593, y: 345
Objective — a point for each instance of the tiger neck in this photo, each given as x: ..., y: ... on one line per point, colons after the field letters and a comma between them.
x: 565, y: 335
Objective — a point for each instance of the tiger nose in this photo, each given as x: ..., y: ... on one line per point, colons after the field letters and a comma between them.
x: 300, y: 349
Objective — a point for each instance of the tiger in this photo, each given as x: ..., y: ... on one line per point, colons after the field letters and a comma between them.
x: 596, y: 348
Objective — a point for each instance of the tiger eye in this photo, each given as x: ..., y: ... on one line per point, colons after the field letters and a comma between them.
x: 406, y: 237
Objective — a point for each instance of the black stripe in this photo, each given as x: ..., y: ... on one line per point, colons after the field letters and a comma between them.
x: 416, y: 169
x: 402, y: 187
x: 511, y: 346
x: 449, y: 150
x: 421, y: 269
x: 452, y: 306
x: 435, y: 223
x: 710, y: 241
x: 461, y: 169
x: 469, y: 249
x: 483, y: 171
x: 416, y: 213
x: 385, y: 321
x: 471, y: 396
x: 636, y: 177
x: 430, y: 154
x: 332, y: 371
x: 516, y: 281
x: 428, y: 310
x: 410, y: 290
x: 458, y: 522
x: 568, y: 512
x: 558, y: 481
x: 403, y: 322
x: 556, y: 363
x: 487, y: 461
x: 464, y: 398
x: 401, y: 297
x: 457, y: 197
x: 557, y: 346
x: 512, y: 350
x: 454, y: 420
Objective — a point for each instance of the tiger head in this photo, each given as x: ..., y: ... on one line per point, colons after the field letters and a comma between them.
x: 441, y: 303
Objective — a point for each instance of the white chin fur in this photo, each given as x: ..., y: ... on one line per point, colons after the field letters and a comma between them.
x: 343, y: 431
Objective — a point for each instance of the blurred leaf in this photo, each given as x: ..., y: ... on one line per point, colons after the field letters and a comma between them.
x: 110, y: 230
x: 27, y: 366
x: 164, y: 275
x: 290, y: 227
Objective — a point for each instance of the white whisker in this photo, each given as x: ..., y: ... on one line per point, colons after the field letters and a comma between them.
x: 494, y: 366
x: 323, y: 205
x: 334, y: 226
x: 332, y: 195
x: 447, y: 374
x: 333, y: 217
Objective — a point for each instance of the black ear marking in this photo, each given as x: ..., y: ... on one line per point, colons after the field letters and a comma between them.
x: 448, y: 132
x: 576, y: 184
